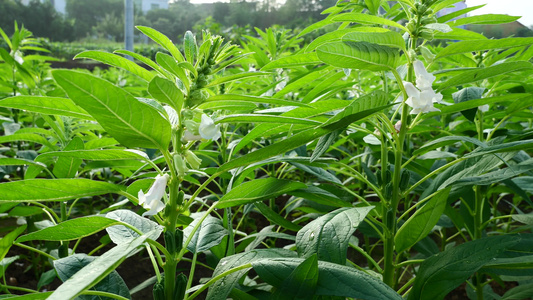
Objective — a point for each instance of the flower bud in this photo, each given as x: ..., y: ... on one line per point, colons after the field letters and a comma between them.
x: 192, y: 160
x: 180, y: 166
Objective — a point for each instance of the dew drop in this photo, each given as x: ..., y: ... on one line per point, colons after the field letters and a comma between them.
x: 224, y: 262
x: 312, y: 236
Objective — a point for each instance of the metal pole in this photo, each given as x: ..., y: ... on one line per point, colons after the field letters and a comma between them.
x: 128, y: 26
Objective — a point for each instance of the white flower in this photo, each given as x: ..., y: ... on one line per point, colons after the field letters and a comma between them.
x: 398, y: 126
x: 208, y: 130
x: 484, y: 108
x: 421, y: 100
x: 189, y: 136
x: 424, y: 79
x: 152, y: 200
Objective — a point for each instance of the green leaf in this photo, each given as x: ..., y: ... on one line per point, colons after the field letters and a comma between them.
x: 475, y: 103
x: 495, y: 176
x: 329, y: 235
x: 301, y: 283
x: 320, y: 196
x: 523, y: 291
x: 144, y: 60
x: 480, y: 45
x: 171, y: 65
x: 275, y: 218
x: 367, y: 105
x: 96, y: 154
x: 373, y: 6
x: 359, y: 55
x: 384, y: 38
x: 117, y: 61
x: 46, y: 105
x: 257, y: 190
x: 333, y: 279
x: 443, y: 272
x: 121, y: 234
x: 7, y: 161
x: 191, y: 50
x: 323, y: 144
x: 484, y: 20
x: 97, y: 270
x: 361, y: 104
x: 162, y: 40
x: 70, y: 230
x: 70, y: 265
x: 235, y: 77
x: 366, y: 19
x: 54, y: 189
x: 7, y: 241
x: 295, y: 60
x: 420, y: 224
x: 34, y: 296
x: 499, y: 148
x: 222, y: 287
x: 68, y: 167
x: 264, y: 118
x: 129, y: 121
x: 165, y: 91
x: 467, y: 94
x: 440, y: 142
x: 27, y: 137
x: 525, y: 219
x: 319, y: 172
x: 266, y: 130
x: 253, y: 99
x: 459, y: 34
x: 208, y: 235
x: 484, y: 73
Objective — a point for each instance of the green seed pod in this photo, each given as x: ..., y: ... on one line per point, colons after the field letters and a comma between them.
x: 192, y: 160
x: 411, y: 27
x: 378, y: 176
x: 422, y: 9
x: 180, y: 166
x: 428, y: 20
x: 387, y: 191
x: 174, y: 241
x: 180, y: 286
x: 159, y: 290
x: 426, y: 34
x: 405, y: 179
x: 388, y: 176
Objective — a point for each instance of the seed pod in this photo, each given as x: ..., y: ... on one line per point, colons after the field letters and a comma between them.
x: 426, y: 34
x: 180, y: 286
x: 387, y: 191
x: 180, y: 166
x: 174, y: 241
x: 158, y: 290
x: 405, y: 179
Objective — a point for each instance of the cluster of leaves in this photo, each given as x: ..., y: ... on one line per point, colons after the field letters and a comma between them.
x: 362, y: 199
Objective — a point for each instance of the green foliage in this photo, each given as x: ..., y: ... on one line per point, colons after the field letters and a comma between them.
x: 366, y: 156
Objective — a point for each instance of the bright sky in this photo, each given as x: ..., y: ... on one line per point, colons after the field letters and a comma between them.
x: 523, y: 8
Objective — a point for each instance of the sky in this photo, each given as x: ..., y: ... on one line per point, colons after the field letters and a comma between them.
x: 522, y: 8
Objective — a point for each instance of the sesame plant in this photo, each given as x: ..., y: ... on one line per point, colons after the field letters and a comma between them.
x: 389, y: 156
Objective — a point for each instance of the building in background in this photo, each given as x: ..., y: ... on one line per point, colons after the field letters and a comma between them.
x: 146, y: 5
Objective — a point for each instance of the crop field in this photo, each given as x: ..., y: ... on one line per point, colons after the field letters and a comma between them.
x: 383, y: 152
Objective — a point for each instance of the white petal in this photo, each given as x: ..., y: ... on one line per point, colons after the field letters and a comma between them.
x: 411, y: 90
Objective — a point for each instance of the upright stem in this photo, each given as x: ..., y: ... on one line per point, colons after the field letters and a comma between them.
x: 390, y: 219
x: 171, y: 262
